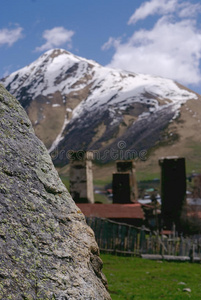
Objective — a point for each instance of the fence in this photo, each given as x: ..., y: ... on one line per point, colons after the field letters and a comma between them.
x: 124, y: 239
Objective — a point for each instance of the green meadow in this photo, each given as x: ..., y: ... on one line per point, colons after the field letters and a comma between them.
x: 132, y: 278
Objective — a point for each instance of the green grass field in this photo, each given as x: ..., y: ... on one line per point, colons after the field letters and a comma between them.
x: 131, y: 278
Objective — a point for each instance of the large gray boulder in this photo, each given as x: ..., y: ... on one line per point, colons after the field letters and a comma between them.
x: 46, y: 249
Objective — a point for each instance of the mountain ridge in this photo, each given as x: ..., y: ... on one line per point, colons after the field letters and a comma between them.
x: 76, y: 104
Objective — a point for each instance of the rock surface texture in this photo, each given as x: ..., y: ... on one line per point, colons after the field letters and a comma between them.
x: 46, y: 249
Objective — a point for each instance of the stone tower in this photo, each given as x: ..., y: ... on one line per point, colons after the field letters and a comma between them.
x: 173, y: 189
x: 124, y: 183
x: 81, y: 177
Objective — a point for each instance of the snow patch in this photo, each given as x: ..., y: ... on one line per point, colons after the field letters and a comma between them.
x: 59, y: 137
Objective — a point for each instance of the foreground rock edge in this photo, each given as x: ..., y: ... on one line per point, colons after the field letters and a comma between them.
x: 47, y: 251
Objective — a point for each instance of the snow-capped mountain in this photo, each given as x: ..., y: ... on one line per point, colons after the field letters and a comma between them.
x: 77, y: 104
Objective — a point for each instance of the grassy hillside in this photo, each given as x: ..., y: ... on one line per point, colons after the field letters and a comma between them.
x: 186, y: 127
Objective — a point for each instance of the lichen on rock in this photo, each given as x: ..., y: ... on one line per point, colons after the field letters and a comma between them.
x: 47, y: 251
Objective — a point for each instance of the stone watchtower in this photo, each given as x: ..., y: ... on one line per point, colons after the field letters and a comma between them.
x: 124, y: 183
x: 81, y: 177
x: 173, y: 189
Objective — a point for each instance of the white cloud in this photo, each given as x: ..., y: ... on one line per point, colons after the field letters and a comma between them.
x: 10, y: 36
x: 112, y: 42
x: 170, y: 49
x: 6, y: 71
x: 163, y: 7
x: 56, y: 37
x: 151, y: 8
x: 189, y: 10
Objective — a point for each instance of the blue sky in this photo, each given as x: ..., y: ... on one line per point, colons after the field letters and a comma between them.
x: 159, y: 37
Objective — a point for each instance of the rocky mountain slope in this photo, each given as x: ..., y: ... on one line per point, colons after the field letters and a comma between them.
x: 74, y: 103
x: 46, y: 249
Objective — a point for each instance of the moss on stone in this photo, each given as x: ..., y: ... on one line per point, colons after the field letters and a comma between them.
x: 42, y: 235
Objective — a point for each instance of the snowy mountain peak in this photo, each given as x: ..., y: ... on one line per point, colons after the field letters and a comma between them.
x: 66, y: 95
x: 48, y: 74
x: 60, y: 70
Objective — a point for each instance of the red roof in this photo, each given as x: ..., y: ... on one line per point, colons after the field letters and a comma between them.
x: 195, y: 214
x: 112, y: 211
x: 166, y: 232
x: 194, y: 211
